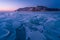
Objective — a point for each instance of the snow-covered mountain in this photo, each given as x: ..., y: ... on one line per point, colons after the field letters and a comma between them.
x: 38, y: 8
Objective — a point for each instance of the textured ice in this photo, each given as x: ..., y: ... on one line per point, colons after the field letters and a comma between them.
x: 38, y: 25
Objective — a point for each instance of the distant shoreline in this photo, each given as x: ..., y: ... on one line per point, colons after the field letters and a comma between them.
x: 38, y: 8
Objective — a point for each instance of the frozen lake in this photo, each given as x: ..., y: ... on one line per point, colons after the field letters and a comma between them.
x: 30, y: 25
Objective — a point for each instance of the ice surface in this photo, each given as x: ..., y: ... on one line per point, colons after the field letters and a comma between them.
x: 38, y: 25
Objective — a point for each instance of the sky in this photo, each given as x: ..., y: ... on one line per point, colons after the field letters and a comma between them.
x: 11, y: 5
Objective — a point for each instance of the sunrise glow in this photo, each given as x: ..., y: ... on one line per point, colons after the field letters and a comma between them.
x: 7, y: 9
